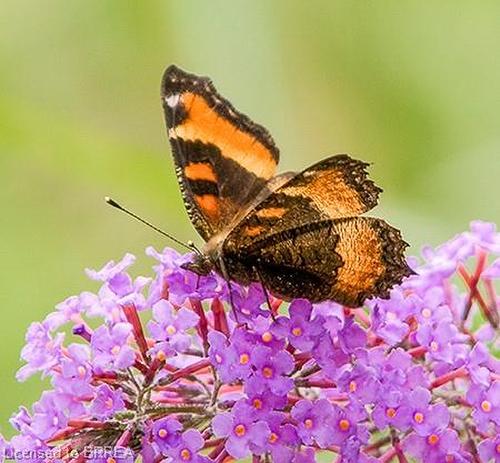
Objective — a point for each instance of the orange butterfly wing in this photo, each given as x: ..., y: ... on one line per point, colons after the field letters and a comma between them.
x: 223, y: 159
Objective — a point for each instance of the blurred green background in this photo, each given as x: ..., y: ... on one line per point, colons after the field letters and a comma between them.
x: 413, y: 87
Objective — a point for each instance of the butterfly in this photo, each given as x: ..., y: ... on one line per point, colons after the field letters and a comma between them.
x: 301, y: 235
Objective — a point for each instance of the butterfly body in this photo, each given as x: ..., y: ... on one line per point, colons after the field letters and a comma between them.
x: 300, y: 235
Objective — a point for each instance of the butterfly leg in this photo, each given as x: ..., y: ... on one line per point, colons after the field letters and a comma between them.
x: 268, y: 300
x: 226, y: 276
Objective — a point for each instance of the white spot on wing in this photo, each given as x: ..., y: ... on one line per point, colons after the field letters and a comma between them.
x: 173, y: 100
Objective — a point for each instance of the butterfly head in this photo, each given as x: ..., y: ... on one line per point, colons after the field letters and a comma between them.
x: 201, y: 265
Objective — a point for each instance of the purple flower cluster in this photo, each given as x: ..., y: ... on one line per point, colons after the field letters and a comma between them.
x: 160, y: 370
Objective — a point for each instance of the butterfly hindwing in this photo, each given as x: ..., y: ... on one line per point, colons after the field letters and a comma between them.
x: 223, y: 159
x: 305, y: 238
x: 346, y: 260
x: 372, y: 252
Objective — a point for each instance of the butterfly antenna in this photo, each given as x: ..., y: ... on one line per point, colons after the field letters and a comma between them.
x: 189, y: 245
x: 193, y: 246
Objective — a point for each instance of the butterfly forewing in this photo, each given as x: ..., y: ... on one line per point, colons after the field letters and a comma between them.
x: 335, y: 187
x: 223, y: 159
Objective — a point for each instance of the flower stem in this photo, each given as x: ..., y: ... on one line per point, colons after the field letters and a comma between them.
x: 450, y: 376
x: 130, y: 311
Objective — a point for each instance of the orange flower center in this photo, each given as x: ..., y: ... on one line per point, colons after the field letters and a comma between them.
x: 110, y: 460
x: 273, y: 438
x: 434, y: 346
x: 115, y: 350
x: 390, y: 412
x: 267, y: 336
x: 109, y: 403
x: 497, y: 448
x: 418, y: 417
x: 257, y: 403
x: 240, y: 430
x: 344, y: 425
x: 297, y: 331
x: 267, y: 372
x: 244, y: 359
x: 160, y: 355
x: 308, y: 423
x: 162, y: 433
x: 426, y: 313
x: 185, y: 454
x: 486, y: 406
x: 171, y: 329
x: 433, y: 439
x: 353, y: 386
